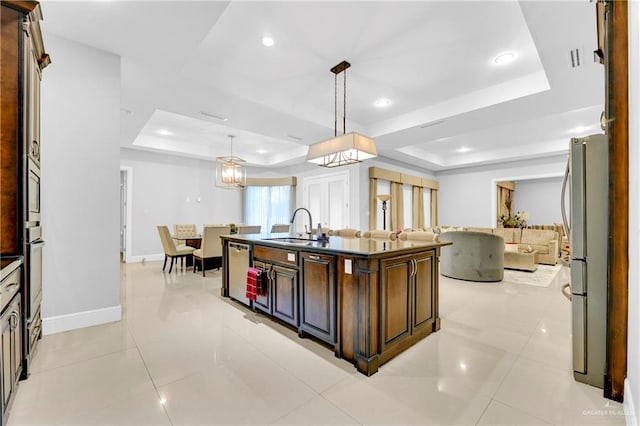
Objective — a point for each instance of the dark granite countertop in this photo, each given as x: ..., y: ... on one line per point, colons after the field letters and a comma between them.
x: 8, y: 264
x: 353, y: 246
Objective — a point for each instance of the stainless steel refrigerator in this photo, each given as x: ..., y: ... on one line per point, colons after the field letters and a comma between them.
x: 587, y: 173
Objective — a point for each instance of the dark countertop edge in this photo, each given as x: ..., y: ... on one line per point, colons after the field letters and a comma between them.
x: 8, y: 269
x: 315, y: 249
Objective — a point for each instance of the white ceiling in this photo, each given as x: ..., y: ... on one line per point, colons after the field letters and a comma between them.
x: 433, y: 60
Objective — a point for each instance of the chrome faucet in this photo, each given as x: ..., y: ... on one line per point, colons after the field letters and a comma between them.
x: 310, y: 220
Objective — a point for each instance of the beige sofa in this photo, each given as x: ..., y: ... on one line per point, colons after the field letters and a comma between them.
x: 542, y: 240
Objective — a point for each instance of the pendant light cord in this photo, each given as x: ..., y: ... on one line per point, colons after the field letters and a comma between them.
x: 344, y: 106
x: 335, y: 105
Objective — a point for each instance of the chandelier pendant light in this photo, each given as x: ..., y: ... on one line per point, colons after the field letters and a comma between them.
x: 348, y: 148
x: 231, y: 171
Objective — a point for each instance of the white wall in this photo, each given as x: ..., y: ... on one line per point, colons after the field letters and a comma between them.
x: 540, y: 198
x: 467, y: 197
x: 80, y: 181
x: 632, y: 384
x: 168, y: 190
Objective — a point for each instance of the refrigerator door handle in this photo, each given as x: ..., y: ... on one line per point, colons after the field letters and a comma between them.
x: 563, y: 203
x: 578, y: 200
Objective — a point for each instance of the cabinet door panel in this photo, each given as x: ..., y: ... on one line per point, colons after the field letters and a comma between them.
x: 285, y: 294
x: 318, y: 310
x: 263, y: 303
x: 423, y: 299
x: 5, y: 358
x: 16, y: 340
x: 396, y: 306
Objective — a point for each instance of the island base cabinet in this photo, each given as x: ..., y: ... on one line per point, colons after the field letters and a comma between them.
x: 263, y: 302
x: 318, y: 297
x: 284, y: 283
x: 281, y: 298
x: 408, y: 291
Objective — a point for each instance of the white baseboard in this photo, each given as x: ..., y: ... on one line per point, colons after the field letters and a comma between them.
x: 145, y: 258
x: 630, y: 415
x: 68, y: 322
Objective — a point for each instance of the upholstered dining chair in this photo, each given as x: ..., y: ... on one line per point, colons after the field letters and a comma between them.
x: 280, y: 227
x: 211, y: 246
x: 184, y: 230
x: 170, y: 249
x: 346, y: 232
x: 249, y: 229
x: 380, y: 234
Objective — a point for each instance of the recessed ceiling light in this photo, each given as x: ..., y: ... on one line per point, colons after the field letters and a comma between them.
x: 261, y: 151
x: 463, y: 149
x: 382, y: 103
x: 504, y: 58
x: 164, y: 132
x: 268, y: 41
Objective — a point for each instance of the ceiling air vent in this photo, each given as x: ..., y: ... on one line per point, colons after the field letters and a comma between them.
x: 576, y: 58
x: 295, y: 138
x: 433, y: 123
x: 217, y: 117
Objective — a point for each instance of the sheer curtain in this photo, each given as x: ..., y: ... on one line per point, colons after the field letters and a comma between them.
x: 267, y: 205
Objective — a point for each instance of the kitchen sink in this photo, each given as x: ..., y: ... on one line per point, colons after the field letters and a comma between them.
x: 291, y: 240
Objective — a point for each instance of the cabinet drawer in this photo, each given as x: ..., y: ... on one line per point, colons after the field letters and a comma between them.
x: 9, y: 287
x: 276, y: 255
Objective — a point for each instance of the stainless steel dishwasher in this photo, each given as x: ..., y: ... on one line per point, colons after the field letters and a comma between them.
x: 239, y: 259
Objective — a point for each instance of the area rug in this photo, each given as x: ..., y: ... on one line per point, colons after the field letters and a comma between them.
x: 541, y: 277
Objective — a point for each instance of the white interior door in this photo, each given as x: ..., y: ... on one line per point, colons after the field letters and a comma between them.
x: 327, y: 198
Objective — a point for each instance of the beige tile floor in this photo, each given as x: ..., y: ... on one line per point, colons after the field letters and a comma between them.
x: 184, y: 355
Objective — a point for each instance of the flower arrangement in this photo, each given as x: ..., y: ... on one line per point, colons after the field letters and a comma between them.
x: 519, y: 220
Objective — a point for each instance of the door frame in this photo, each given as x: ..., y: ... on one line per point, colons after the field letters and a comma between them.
x: 128, y: 231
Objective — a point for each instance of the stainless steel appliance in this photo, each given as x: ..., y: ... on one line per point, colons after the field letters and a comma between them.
x: 587, y: 173
x: 239, y: 258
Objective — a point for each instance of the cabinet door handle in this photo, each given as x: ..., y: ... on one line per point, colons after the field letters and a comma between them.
x: 414, y: 267
x: 16, y: 317
x: 314, y: 257
x: 12, y: 287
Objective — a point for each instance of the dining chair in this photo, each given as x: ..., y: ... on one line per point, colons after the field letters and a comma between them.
x: 346, y: 232
x: 170, y: 249
x: 280, y: 227
x: 184, y: 230
x: 380, y: 234
x: 249, y: 229
x: 211, y: 246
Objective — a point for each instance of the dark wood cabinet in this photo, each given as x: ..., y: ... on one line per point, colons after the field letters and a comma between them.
x: 407, y: 300
x: 23, y: 59
x: 284, y: 285
x: 318, y: 296
x: 369, y: 299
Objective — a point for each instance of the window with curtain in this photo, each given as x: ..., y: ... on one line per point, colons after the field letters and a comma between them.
x: 267, y: 205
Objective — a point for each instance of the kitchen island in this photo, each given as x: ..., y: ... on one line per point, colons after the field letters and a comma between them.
x: 367, y: 299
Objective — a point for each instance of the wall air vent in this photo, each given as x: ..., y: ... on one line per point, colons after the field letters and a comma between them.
x: 576, y: 57
x: 433, y: 123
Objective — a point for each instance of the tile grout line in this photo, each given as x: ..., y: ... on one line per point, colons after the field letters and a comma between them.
x: 153, y: 383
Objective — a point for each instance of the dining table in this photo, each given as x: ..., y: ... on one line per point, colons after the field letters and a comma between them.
x: 194, y: 241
